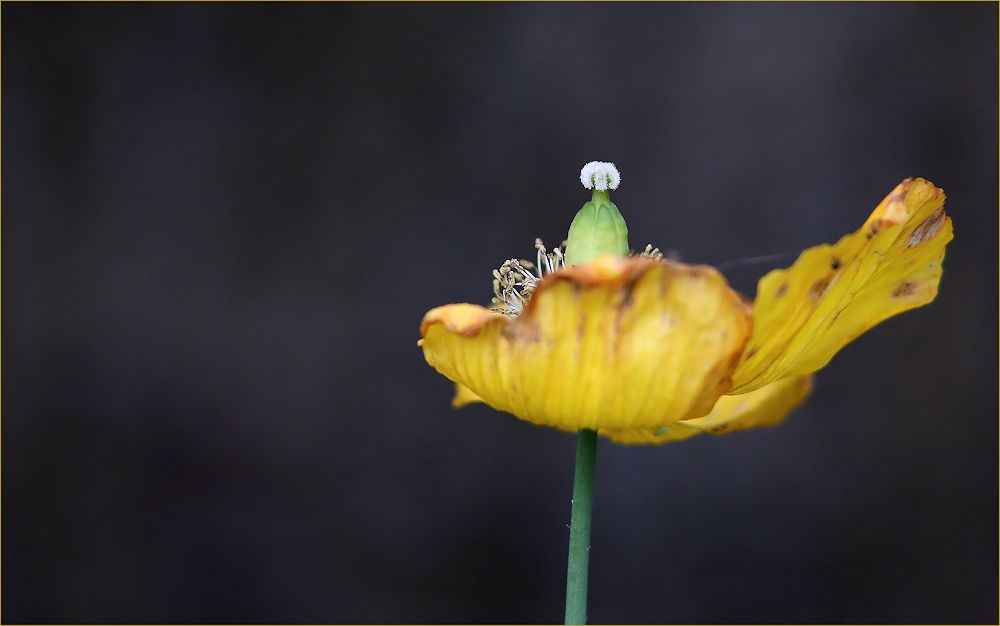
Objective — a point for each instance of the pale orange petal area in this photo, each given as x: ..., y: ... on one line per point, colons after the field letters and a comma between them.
x: 462, y: 319
x: 613, y: 343
x: 805, y: 314
x: 463, y: 396
x: 767, y: 406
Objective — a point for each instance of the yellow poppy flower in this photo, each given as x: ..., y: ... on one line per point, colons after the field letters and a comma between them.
x: 647, y: 350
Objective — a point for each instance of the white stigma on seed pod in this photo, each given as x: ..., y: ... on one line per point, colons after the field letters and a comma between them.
x: 600, y: 176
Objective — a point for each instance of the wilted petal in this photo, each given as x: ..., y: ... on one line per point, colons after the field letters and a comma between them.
x: 805, y: 314
x: 615, y: 343
x: 767, y: 406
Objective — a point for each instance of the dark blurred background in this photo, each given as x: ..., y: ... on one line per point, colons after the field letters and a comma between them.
x: 223, y: 223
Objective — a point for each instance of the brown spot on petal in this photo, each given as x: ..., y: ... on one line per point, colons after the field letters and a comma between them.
x: 628, y: 294
x: 782, y: 290
x: 750, y: 354
x: 819, y: 287
x: 875, y: 227
x: 835, y: 264
x: 628, y: 298
x: 904, y: 289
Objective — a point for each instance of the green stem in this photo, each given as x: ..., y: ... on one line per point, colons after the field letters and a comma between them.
x: 579, y: 529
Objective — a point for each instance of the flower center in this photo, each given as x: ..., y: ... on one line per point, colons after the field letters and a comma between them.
x: 514, y: 282
x: 597, y: 229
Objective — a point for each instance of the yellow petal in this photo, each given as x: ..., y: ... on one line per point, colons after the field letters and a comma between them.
x: 805, y: 314
x: 767, y: 406
x: 676, y: 431
x: 613, y: 343
x: 764, y: 407
x: 463, y: 396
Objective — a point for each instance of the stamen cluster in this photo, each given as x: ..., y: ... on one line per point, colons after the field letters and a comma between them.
x: 649, y: 252
x: 514, y: 282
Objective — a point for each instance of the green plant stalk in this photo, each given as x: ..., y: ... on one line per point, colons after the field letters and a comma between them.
x: 579, y: 529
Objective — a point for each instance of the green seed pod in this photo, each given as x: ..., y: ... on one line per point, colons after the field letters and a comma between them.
x: 598, y: 227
